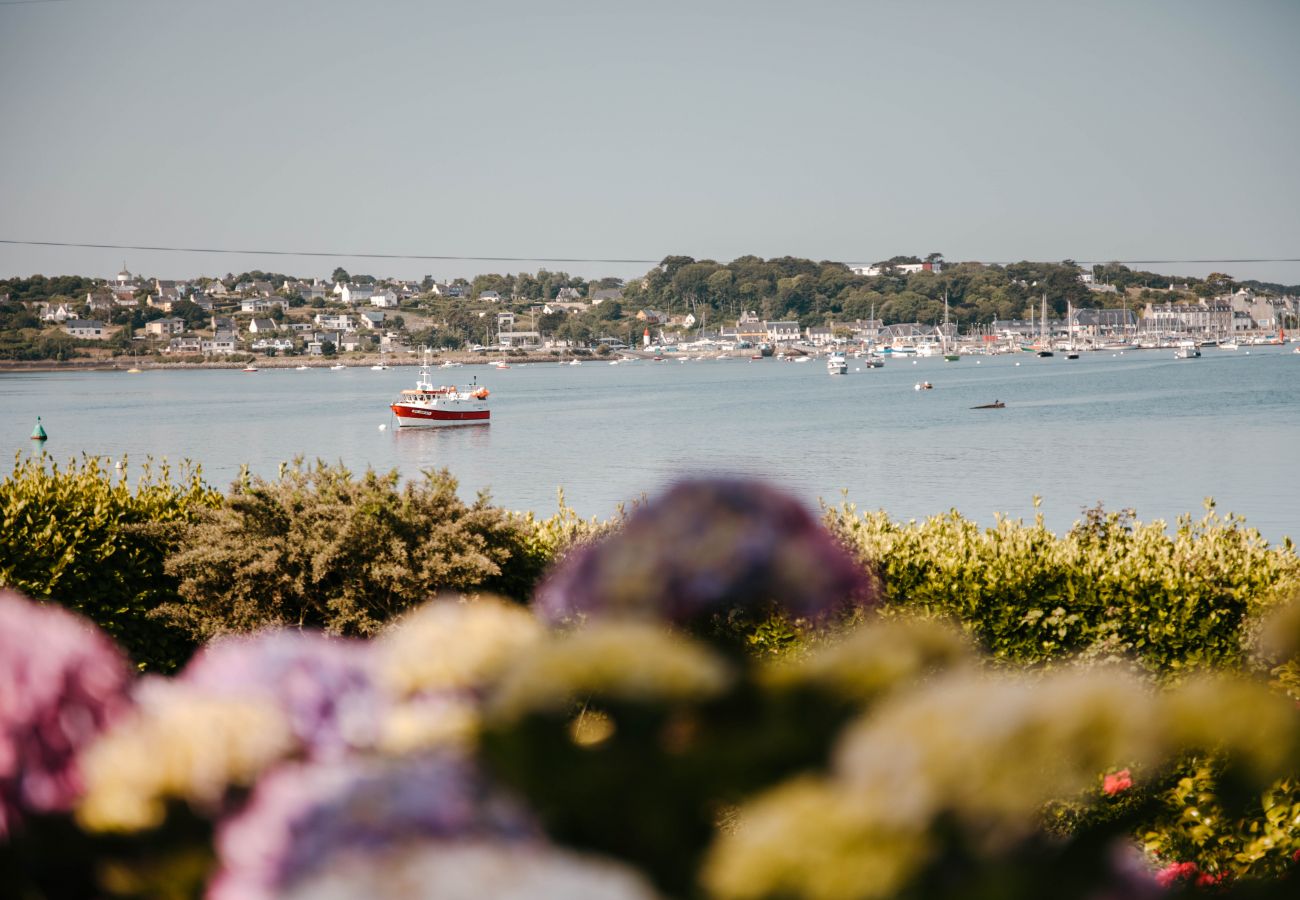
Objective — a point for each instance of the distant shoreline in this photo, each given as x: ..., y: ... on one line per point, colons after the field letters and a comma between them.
x: 123, y: 363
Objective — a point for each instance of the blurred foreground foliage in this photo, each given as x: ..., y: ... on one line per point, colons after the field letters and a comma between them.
x: 943, y: 711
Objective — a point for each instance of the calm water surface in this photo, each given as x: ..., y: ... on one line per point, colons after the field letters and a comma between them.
x: 1140, y: 430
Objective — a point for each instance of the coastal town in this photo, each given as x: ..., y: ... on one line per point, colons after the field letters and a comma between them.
x: 214, y: 320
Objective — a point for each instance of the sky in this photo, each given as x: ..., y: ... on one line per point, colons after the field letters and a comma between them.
x: 852, y: 131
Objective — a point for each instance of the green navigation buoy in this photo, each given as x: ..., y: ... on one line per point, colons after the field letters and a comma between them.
x: 38, y: 433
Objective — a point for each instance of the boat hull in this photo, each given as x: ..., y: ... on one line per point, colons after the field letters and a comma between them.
x: 421, y: 416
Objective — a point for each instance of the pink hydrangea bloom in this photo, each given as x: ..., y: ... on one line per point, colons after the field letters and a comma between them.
x: 62, y: 680
x: 301, y: 817
x: 324, y: 685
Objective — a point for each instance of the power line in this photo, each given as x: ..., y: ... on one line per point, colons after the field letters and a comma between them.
x: 541, y: 259
x: 324, y: 253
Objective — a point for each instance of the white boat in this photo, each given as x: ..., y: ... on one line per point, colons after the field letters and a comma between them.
x: 337, y: 366
x: 250, y: 368
x: 1187, y: 350
x: 1228, y: 345
x: 380, y: 367
x: 836, y: 364
x: 573, y: 362
x: 450, y: 365
x: 300, y: 368
x: 441, y: 406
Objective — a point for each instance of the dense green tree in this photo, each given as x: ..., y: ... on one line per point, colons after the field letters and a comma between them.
x: 195, y: 316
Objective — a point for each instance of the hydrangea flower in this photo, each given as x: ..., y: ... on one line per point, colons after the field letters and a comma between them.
x: 324, y: 685
x: 301, y: 817
x: 437, y: 664
x: 178, y: 743
x: 476, y: 870
x: 707, y: 547
x: 62, y: 681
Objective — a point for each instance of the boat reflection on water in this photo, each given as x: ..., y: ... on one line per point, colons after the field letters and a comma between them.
x: 422, y: 448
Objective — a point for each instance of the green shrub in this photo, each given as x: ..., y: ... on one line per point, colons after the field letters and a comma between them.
x: 319, y: 548
x: 85, y: 539
x: 1109, y: 587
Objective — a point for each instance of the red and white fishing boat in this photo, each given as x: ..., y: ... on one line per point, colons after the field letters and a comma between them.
x: 440, y: 406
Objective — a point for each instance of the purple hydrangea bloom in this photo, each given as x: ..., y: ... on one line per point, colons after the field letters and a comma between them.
x: 324, y: 685
x: 303, y: 817
x: 708, y: 547
x: 62, y: 681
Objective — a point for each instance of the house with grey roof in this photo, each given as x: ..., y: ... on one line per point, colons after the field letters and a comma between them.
x: 165, y: 327
x: 87, y: 329
x: 782, y: 332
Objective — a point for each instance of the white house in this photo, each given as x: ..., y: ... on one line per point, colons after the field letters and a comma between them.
x: 372, y: 318
x: 262, y: 304
x: 335, y: 322
x: 820, y: 335
x: 61, y: 312
x: 354, y: 293
x: 222, y: 344
x: 276, y: 344
x: 900, y: 268
x: 192, y: 344
x: 261, y: 326
x: 384, y: 299
x: 782, y: 332
x: 89, y: 329
x: 490, y: 296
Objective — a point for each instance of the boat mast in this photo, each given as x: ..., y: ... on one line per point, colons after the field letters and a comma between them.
x: 943, y: 334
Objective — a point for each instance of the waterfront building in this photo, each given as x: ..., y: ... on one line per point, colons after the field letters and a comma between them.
x: 165, y: 327
x: 1098, y: 323
x: 87, y: 329
x: 1202, y: 317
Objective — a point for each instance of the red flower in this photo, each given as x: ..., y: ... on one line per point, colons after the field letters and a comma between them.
x: 1117, y: 783
x: 1176, y: 872
x: 1208, y: 880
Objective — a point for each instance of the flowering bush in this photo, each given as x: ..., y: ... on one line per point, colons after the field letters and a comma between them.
x: 613, y: 743
x: 706, y: 554
x: 61, y: 683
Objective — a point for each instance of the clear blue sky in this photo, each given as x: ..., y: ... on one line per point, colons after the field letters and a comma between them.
x: 854, y: 131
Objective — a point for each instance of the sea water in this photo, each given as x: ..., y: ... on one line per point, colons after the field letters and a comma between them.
x: 1137, y: 430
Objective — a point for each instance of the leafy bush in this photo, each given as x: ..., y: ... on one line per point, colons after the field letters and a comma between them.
x: 1111, y: 587
x: 319, y: 548
x: 80, y: 537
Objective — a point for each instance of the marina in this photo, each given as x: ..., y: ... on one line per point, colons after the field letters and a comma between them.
x: 1127, y: 428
